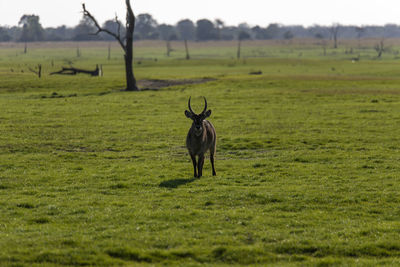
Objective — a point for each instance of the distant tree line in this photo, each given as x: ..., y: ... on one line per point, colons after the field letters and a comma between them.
x: 29, y: 29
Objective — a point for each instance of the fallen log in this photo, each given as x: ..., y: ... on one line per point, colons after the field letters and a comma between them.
x: 73, y: 71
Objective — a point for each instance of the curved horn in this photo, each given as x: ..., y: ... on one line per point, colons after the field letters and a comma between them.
x: 189, y: 106
x: 205, y: 105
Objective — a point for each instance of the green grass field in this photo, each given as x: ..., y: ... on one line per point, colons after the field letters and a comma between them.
x: 307, y: 158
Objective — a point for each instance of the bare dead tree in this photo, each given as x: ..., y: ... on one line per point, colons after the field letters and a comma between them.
x: 220, y: 24
x: 335, y: 33
x: 380, y: 47
x: 38, y: 72
x: 125, y: 42
x: 169, y: 48
x: 323, y: 42
x: 360, y: 31
x: 243, y: 35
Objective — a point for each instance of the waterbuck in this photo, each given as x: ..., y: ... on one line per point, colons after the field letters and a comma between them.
x: 200, y: 138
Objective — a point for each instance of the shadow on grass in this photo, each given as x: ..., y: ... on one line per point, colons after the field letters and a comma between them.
x: 175, y: 183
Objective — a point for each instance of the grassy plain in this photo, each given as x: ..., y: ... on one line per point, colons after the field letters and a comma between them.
x: 307, y: 158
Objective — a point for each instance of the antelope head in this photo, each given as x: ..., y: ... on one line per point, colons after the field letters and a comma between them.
x: 198, y: 119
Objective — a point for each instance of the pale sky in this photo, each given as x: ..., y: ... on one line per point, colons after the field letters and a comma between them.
x: 255, y: 12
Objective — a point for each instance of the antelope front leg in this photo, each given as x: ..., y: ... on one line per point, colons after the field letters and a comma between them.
x: 194, y: 165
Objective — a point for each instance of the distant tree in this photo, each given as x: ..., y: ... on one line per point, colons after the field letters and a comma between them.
x: 85, y: 29
x: 244, y: 31
x: 32, y: 30
x: 126, y: 42
x: 244, y: 26
x: 29, y: 29
x: 14, y: 32
x: 220, y: 24
x: 229, y: 33
x: 380, y: 47
x: 51, y: 35
x: 205, y: 30
x: 272, y: 31
x: 360, y: 31
x: 60, y: 33
x: 4, y: 36
x: 390, y: 30
x: 288, y: 35
x: 319, y: 32
x: 296, y: 31
x: 186, y: 29
x: 167, y: 33
x: 259, y: 33
x: 146, y: 27
x: 334, y: 29
x: 112, y: 26
x: 321, y: 37
x: 243, y: 35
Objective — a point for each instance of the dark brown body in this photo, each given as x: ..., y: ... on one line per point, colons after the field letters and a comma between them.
x: 198, y: 145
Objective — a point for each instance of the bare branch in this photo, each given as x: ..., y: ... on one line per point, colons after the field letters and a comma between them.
x: 32, y: 70
x: 37, y: 72
x: 100, y: 29
x: 119, y: 26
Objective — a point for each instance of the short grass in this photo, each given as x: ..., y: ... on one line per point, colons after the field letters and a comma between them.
x: 307, y: 160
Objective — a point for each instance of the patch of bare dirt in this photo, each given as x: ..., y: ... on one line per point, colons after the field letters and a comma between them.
x: 156, y: 84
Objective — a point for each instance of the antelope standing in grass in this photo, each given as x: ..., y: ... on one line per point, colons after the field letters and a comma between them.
x: 200, y: 138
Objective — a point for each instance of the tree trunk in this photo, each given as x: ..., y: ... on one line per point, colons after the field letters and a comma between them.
x: 130, y: 77
x: 130, y: 28
x: 335, y: 41
x: 238, y: 49
x: 168, y: 44
x: 187, y: 50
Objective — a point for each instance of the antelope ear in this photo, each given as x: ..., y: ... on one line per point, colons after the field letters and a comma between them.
x: 207, y: 114
x: 188, y: 114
